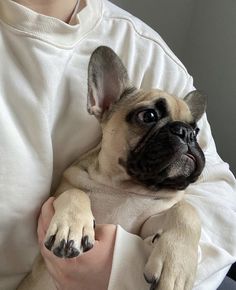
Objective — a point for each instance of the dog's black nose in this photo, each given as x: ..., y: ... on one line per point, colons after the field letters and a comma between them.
x: 183, y: 131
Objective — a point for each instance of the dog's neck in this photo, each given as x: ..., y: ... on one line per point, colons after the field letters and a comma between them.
x: 109, y: 167
x: 102, y: 168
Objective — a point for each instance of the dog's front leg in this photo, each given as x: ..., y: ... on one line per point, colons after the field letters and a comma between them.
x: 173, y: 261
x: 71, y: 230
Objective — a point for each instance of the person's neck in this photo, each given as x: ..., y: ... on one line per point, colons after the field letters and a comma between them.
x: 61, y: 9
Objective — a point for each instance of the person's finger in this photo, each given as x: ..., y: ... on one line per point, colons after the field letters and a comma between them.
x: 102, y: 232
x: 47, y: 212
x: 40, y: 231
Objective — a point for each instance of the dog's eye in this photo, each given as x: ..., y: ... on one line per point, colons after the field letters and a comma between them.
x: 148, y: 116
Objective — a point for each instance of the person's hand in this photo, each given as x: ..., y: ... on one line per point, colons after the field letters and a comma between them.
x: 89, y: 271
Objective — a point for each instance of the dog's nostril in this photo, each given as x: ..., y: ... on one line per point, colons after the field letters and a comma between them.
x: 179, y: 131
x: 185, y: 133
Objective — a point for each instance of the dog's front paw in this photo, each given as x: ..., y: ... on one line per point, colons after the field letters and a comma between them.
x: 71, y: 230
x: 69, y: 235
x: 172, y: 264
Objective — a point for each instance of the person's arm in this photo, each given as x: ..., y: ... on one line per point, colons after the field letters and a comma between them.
x: 214, y: 197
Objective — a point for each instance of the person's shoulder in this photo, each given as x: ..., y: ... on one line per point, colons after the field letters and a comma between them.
x: 141, y: 29
x: 112, y: 11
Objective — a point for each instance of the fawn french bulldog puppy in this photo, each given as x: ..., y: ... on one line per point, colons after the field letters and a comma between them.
x: 135, y: 177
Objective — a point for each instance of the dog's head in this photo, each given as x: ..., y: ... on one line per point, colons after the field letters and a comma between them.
x: 151, y: 135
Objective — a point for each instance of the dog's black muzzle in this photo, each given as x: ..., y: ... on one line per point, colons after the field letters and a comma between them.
x: 167, y: 157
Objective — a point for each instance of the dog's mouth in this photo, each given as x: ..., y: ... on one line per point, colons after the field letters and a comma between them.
x: 177, y: 171
x: 191, y: 157
x: 182, y: 167
x: 163, y: 159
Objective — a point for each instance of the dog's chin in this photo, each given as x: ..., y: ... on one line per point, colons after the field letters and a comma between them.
x: 183, y: 167
x: 180, y: 174
x: 175, y: 176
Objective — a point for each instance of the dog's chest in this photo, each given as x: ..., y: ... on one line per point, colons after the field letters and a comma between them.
x: 112, y: 205
x: 131, y: 211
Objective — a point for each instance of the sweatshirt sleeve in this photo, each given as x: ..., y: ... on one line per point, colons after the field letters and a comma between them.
x: 213, y: 196
x: 129, y: 258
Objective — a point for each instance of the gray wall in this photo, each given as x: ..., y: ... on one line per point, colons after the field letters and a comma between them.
x: 202, y: 33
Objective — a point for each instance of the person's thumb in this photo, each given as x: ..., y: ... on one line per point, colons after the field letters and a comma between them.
x: 47, y: 212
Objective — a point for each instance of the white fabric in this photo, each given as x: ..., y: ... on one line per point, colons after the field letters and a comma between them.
x: 45, y: 126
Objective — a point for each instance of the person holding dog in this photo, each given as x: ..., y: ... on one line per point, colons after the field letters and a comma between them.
x: 45, y: 48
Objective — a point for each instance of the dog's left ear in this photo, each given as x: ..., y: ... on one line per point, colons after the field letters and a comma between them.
x: 196, y: 102
x: 107, y: 80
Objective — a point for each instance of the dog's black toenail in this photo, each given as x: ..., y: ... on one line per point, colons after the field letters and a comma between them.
x: 154, y: 285
x: 153, y: 281
x: 62, y: 244
x: 49, y: 243
x: 70, y: 244
x: 58, y: 253
x: 70, y: 250
x: 156, y: 237
x: 72, y: 253
x: 94, y: 224
x: 150, y: 280
x: 60, y: 250
x: 86, y: 244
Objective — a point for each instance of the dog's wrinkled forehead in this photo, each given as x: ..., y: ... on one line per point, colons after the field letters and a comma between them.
x: 169, y: 106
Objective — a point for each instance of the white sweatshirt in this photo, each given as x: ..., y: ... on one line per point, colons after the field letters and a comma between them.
x: 44, y: 126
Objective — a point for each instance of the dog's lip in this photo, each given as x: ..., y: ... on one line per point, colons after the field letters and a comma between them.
x: 190, y: 156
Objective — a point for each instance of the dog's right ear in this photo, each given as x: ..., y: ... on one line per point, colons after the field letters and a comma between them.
x: 107, y: 80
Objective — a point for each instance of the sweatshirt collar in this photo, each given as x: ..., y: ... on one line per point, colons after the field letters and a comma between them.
x: 50, y: 29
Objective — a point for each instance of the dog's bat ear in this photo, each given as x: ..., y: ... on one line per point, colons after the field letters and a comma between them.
x: 107, y: 80
x: 196, y: 102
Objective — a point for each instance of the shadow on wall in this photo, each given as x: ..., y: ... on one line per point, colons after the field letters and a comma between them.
x: 203, y: 35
